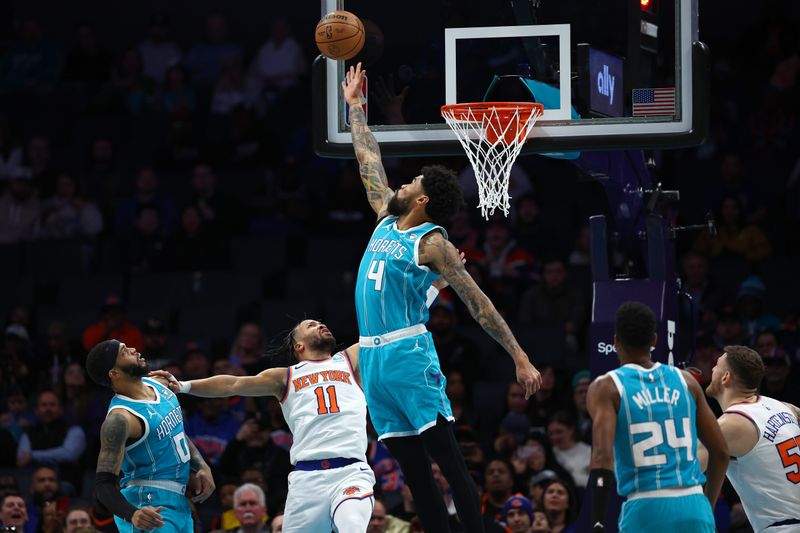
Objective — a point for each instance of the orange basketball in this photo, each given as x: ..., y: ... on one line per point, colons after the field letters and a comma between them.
x: 340, y: 35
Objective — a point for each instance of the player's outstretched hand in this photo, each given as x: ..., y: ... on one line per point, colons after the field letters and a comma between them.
x: 528, y: 377
x: 440, y: 282
x: 148, y: 518
x: 204, y: 485
x: 173, y: 384
x: 351, y: 85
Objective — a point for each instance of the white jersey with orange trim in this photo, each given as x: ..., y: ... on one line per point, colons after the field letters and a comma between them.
x: 767, y: 478
x: 326, y: 411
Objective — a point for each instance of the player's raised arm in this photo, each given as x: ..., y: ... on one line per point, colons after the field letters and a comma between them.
x: 711, y: 436
x: 114, y: 434
x: 271, y: 382
x: 440, y: 254
x: 373, y: 175
x: 603, y: 410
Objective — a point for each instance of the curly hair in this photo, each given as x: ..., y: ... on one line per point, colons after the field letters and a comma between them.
x: 635, y: 325
x: 445, y: 197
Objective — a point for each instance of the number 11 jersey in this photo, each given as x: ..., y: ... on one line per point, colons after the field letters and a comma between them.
x: 326, y: 411
x: 655, y: 445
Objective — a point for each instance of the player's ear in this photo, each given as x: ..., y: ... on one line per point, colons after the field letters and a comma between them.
x: 422, y: 199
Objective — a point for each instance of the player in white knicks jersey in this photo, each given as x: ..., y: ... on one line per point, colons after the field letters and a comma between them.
x: 763, y: 439
x: 324, y: 406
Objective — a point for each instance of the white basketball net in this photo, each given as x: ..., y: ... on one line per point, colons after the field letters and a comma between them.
x: 491, y: 160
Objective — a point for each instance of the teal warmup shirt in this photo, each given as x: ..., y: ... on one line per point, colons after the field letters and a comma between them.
x: 391, y: 286
x: 655, y: 446
x: 162, y: 453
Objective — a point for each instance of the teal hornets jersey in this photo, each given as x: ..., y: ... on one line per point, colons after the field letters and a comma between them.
x: 391, y: 286
x: 162, y: 452
x: 655, y: 446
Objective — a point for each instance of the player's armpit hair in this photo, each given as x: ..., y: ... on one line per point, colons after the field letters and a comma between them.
x: 108, y: 494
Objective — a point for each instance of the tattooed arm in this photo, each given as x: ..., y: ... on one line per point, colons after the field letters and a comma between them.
x: 203, y: 484
x: 373, y: 175
x: 439, y: 254
x: 118, y: 427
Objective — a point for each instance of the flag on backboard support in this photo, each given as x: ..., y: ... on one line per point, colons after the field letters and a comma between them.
x: 651, y: 102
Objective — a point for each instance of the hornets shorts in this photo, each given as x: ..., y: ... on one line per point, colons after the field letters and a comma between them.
x: 176, y: 513
x: 667, y: 515
x: 403, y: 384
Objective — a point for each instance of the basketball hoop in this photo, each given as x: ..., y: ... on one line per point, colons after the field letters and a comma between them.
x: 492, y: 134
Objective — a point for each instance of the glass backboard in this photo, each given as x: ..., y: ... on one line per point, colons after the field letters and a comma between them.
x: 611, y: 75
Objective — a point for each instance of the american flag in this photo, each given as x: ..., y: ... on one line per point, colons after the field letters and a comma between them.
x: 651, y: 102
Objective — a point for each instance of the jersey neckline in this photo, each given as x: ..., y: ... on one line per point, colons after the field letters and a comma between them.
x: 155, y: 389
x: 640, y: 368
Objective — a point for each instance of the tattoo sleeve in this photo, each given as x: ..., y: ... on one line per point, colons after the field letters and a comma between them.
x: 373, y: 175
x: 442, y: 256
x: 196, y: 461
x: 113, y: 435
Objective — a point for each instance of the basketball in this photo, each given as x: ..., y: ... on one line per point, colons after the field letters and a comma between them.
x: 340, y: 35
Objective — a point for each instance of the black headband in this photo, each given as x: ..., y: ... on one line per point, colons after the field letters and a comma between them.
x: 101, y: 359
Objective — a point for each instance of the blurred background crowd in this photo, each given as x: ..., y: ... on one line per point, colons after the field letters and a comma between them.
x: 163, y: 191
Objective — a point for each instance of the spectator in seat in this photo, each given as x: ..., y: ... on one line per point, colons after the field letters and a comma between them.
x: 18, y: 418
x: 88, y: 62
x: 532, y: 231
x: 113, y: 324
x: 211, y: 428
x: 57, y: 351
x: 555, y: 301
x: 248, y: 348
x: 728, y: 329
x: 45, y: 493
x: 147, y: 194
x: 178, y: 100
x: 205, y: 61
x: 159, y: 51
x: 227, y: 518
x: 498, y: 483
x: 546, y: 400
x: 734, y: 237
x: 249, y: 505
x: 101, y: 180
x: 8, y: 485
x: 560, y: 506
x: 130, y: 90
x: 31, y: 64
x: 580, y: 386
x: 278, y: 65
x: 13, y: 512
x: 780, y: 382
x: 455, y: 351
x: 705, y: 357
x: 460, y: 395
x: 154, y: 343
x: 85, y: 405
x: 38, y: 158
x: 276, y: 526
x: 252, y: 448
x: 518, y: 514
x: 750, y: 306
x: 570, y: 453
x: 194, y: 247
x: 196, y: 363
x: 67, y: 215
x: 20, y: 209
x: 77, y: 518
x: 10, y: 152
x: 706, y: 297
x: 218, y: 211
x: 146, y: 250
x: 52, y: 442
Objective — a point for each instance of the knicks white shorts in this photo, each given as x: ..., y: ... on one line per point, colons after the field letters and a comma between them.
x: 315, y: 495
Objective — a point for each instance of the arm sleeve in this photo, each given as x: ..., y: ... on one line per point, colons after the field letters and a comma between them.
x: 70, y: 450
x: 109, y: 495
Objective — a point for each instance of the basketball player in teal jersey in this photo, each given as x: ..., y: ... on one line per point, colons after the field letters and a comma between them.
x: 403, y: 383
x: 143, y: 436
x: 646, y: 418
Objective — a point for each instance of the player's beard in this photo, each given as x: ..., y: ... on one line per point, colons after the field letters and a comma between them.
x: 323, y: 344
x: 398, y: 207
x: 135, y: 370
x: 711, y: 389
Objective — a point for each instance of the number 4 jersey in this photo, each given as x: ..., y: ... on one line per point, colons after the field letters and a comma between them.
x: 655, y: 446
x: 767, y: 478
x: 391, y: 285
x: 326, y: 411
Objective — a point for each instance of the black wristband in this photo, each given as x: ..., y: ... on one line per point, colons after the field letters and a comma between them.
x: 600, y: 480
x: 109, y: 495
